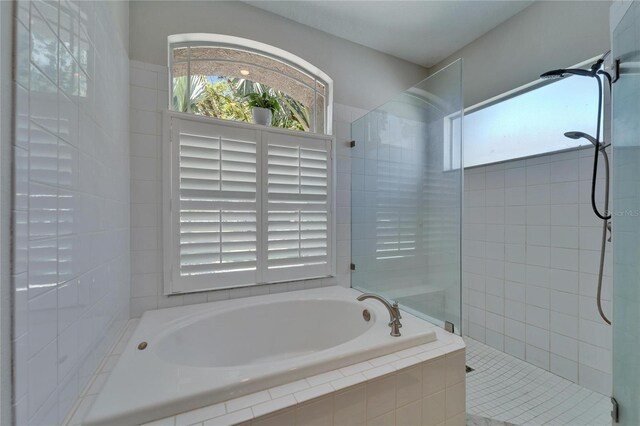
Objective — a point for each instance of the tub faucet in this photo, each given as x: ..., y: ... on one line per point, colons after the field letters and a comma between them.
x: 394, y: 312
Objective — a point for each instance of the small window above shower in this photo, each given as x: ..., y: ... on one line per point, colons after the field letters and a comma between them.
x: 530, y: 121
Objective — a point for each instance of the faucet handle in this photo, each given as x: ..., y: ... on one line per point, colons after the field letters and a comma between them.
x: 396, y: 306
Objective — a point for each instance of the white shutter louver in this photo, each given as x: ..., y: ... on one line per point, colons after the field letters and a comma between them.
x: 298, y: 205
x: 246, y: 205
x: 216, y: 181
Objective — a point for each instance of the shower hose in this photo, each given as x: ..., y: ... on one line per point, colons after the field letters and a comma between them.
x: 605, y: 225
x: 605, y: 218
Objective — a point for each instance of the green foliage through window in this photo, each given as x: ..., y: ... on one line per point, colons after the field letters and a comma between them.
x: 228, y: 98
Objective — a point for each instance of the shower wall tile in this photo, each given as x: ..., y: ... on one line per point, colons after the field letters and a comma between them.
x: 71, y: 201
x: 148, y: 99
x: 531, y: 253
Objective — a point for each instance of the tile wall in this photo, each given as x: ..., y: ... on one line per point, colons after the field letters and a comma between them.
x: 427, y: 393
x: 71, y: 206
x: 531, y: 255
x: 149, y: 97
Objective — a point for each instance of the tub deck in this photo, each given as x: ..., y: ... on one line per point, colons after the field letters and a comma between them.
x: 145, y: 386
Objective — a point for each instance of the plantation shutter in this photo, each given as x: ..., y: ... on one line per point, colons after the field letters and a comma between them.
x: 216, y: 206
x: 297, y: 173
x: 245, y: 205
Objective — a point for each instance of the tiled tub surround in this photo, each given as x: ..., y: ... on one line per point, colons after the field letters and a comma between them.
x: 149, y: 97
x: 213, y: 352
x: 391, y: 389
x: 531, y: 256
x: 71, y: 206
x: 426, y: 388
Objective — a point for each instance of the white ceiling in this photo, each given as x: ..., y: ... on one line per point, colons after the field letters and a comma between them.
x: 422, y: 32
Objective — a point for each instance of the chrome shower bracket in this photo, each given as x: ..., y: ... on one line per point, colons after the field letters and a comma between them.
x: 448, y: 326
x: 615, y: 415
x: 615, y: 69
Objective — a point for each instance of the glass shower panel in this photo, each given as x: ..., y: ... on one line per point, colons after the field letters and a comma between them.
x: 406, y: 192
x: 626, y: 218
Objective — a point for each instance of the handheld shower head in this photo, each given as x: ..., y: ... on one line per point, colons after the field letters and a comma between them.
x: 578, y: 135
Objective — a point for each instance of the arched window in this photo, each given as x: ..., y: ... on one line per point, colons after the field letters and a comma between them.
x: 213, y: 74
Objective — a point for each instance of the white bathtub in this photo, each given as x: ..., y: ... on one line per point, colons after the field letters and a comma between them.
x: 203, y: 354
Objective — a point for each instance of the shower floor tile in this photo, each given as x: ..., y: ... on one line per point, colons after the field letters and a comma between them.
x: 507, y: 389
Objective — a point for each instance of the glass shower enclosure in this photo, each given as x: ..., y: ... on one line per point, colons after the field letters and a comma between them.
x: 626, y: 217
x: 406, y: 199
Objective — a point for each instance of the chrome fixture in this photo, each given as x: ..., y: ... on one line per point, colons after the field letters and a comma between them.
x: 366, y: 315
x: 597, y: 72
x: 394, y: 311
x: 606, y: 224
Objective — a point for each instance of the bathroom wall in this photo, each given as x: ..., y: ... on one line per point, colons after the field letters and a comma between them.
x: 149, y: 28
x: 363, y: 77
x: 148, y: 99
x: 531, y: 255
x: 71, y: 202
x: 544, y: 36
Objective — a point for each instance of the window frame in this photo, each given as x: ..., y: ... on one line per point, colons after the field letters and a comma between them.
x: 170, y: 199
x: 520, y: 90
x: 232, y: 42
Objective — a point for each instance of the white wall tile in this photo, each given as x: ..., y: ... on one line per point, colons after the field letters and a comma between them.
x: 494, y: 305
x: 564, y: 346
x: 410, y: 414
x: 537, y: 296
x: 381, y: 396
x: 383, y: 420
x: 536, y: 356
x: 537, y: 337
x: 434, y: 376
x: 537, y: 174
x: 565, y: 171
x: 564, y: 324
x: 595, y: 357
x: 434, y: 405
x: 531, y: 252
x: 564, y: 367
x: 515, y: 215
x: 593, y: 378
x: 72, y: 201
x: 515, y: 291
x: 514, y: 329
x: 454, y: 400
x: 350, y: 406
x: 514, y: 347
x: 494, y: 339
x: 516, y: 176
x: 595, y: 333
x: 515, y: 310
x: 538, y: 317
x: 563, y: 302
